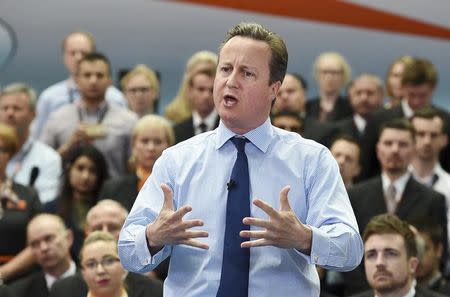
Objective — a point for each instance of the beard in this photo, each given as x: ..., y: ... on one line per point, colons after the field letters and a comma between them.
x: 391, y: 285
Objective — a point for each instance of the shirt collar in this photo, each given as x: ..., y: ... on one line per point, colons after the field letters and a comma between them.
x: 259, y: 137
x: 360, y: 122
x: 399, y: 183
x: 209, y: 121
x: 411, y: 292
x: 50, y: 279
x: 407, y: 110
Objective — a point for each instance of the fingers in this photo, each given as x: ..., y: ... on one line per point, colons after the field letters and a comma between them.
x: 168, y: 202
x: 265, y: 207
x: 255, y: 243
x: 195, y: 243
x: 284, y: 201
x: 256, y: 222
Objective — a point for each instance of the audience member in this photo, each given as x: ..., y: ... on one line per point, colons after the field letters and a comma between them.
x: 74, y: 47
x: 395, y: 191
x: 291, y: 96
x: 390, y: 259
x: 430, y: 140
x: 35, y: 164
x: 365, y: 95
x: 216, y: 261
x: 394, y: 80
x: 151, y: 135
x: 85, y: 170
x: 288, y: 120
x: 418, y: 83
x: 346, y: 151
x: 200, y: 95
x: 331, y: 72
x: 179, y: 109
x: 107, y: 216
x: 141, y: 88
x: 93, y: 120
x: 428, y: 272
x: 103, y: 273
x: 50, y: 242
x: 18, y: 204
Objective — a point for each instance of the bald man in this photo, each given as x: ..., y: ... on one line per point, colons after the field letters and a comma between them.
x: 50, y: 243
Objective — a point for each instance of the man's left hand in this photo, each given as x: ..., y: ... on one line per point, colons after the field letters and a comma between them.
x: 283, y: 229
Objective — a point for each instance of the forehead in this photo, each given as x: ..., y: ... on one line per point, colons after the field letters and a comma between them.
x: 19, y: 98
x: 344, y: 146
x: 290, y: 81
x: 329, y: 62
x: 395, y: 134
x: 105, y: 214
x: 364, y: 82
x: 43, y: 227
x: 245, y: 51
x: 76, y: 41
x: 429, y: 124
x: 385, y: 241
x: 99, y: 249
x: 93, y: 66
x: 202, y: 78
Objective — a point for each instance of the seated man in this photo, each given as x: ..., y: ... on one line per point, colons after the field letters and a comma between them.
x: 288, y: 120
x: 346, y: 151
x: 107, y: 215
x: 50, y: 243
x: 390, y: 259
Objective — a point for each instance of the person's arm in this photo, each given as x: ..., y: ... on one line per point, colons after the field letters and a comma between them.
x: 22, y: 262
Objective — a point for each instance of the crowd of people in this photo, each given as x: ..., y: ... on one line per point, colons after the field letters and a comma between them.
x: 74, y: 159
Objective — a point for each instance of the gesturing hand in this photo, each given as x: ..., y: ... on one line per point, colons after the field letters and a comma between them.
x: 169, y: 227
x: 283, y: 229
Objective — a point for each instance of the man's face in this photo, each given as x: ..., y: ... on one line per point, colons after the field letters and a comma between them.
x: 49, y: 242
x: 330, y: 75
x: 430, y: 139
x: 418, y: 96
x: 394, y: 150
x: 387, y: 266
x: 347, y: 156
x: 395, y: 80
x: 200, y: 93
x: 242, y: 93
x: 15, y: 110
x: 76, y: 47
x: 365, y: 96
x: 93, y: 79
x: 291, y: 96
x: 429, y: 262
x: 108, y: 218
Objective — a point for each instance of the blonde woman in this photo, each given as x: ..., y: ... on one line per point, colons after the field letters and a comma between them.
x: 394, y: 80
x: 141, y: 88
x: 151, y: 135
x: 179, y: 109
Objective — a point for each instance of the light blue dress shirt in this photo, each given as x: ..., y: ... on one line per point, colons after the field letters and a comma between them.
x: 198, y: 170
x: 60, y: 94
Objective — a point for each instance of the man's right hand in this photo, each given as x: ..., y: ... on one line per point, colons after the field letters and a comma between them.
x: 170, y: 229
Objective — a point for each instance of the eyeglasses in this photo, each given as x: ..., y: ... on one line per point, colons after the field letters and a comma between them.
x: 331, y: 72
x: 106, y: 262
x: 140, y: 90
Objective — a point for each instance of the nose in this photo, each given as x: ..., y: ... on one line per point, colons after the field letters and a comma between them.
x: 43, y: 245
x: 380, y: 261
x: 105, y: 228
x: 100, y: 269
x: 85, y: 174
x: 232, y: 80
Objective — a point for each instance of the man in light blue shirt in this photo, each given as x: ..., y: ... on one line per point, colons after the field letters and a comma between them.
x: 300, y: 212
x: 74, y: 46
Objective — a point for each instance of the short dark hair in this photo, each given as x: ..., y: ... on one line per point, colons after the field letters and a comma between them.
x: 398, y: 124
x: 96, y: 56
x: 430, y: 227
x: 300, y: 79
x: 419, y: 71
x: 279, y: 55
x: 347, y: 138
x: 391, y: 224
x: 429, y: 113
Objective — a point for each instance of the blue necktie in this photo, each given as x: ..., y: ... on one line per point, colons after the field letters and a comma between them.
x: 236, y: 260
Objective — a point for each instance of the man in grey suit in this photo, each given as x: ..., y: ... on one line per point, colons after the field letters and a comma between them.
x: 390, y: 259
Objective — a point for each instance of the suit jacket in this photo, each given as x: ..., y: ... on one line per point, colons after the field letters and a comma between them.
x: 367, y: 199
x: 5, y: 291
x: 122, y: 189
x: 348, y: 127
x: 186, y: 130
x: 137, y: 286
x: 31, y: 285
x: 323, y: 133
x: 420, y: 292
x: 370, y: 165
x: 342, y: 109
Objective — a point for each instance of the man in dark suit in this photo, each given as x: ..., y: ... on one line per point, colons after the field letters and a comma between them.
x: 204, y: 117
x: 390, y: 259
x: 395, y: 191
x: 418, y: 82
x: 50, y: 243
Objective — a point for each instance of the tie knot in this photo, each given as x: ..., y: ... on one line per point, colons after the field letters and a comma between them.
x: 203, y: 127
x: 392, y: 191
x: 239, y: 143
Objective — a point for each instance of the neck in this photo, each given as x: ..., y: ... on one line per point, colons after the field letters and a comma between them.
x: 204, y: 115
x: 81, y: 197
x: 59, y: 269
x: 423, y: 168
x: 329, y: 96
x: 114, y: 293
x: 92, y: 104
x: 394, y: 175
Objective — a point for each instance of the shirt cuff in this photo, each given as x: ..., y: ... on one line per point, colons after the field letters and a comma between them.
x: 143, y: 252
x: 320, y: 247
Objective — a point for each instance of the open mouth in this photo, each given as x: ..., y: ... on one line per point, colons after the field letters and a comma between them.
x: 230, y: 100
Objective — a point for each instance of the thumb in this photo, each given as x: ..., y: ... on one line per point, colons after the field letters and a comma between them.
x: 284, y: 201
x: 168, y: 202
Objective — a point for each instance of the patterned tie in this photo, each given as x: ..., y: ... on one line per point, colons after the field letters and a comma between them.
x: 391, y: 203
x: 236, y: 260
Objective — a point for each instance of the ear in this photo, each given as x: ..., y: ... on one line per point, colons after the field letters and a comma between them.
x: 444, y: 140
x: 69, y: 237
x: 358, y: 169
x: 413, y: 262
x: 274, y: 89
